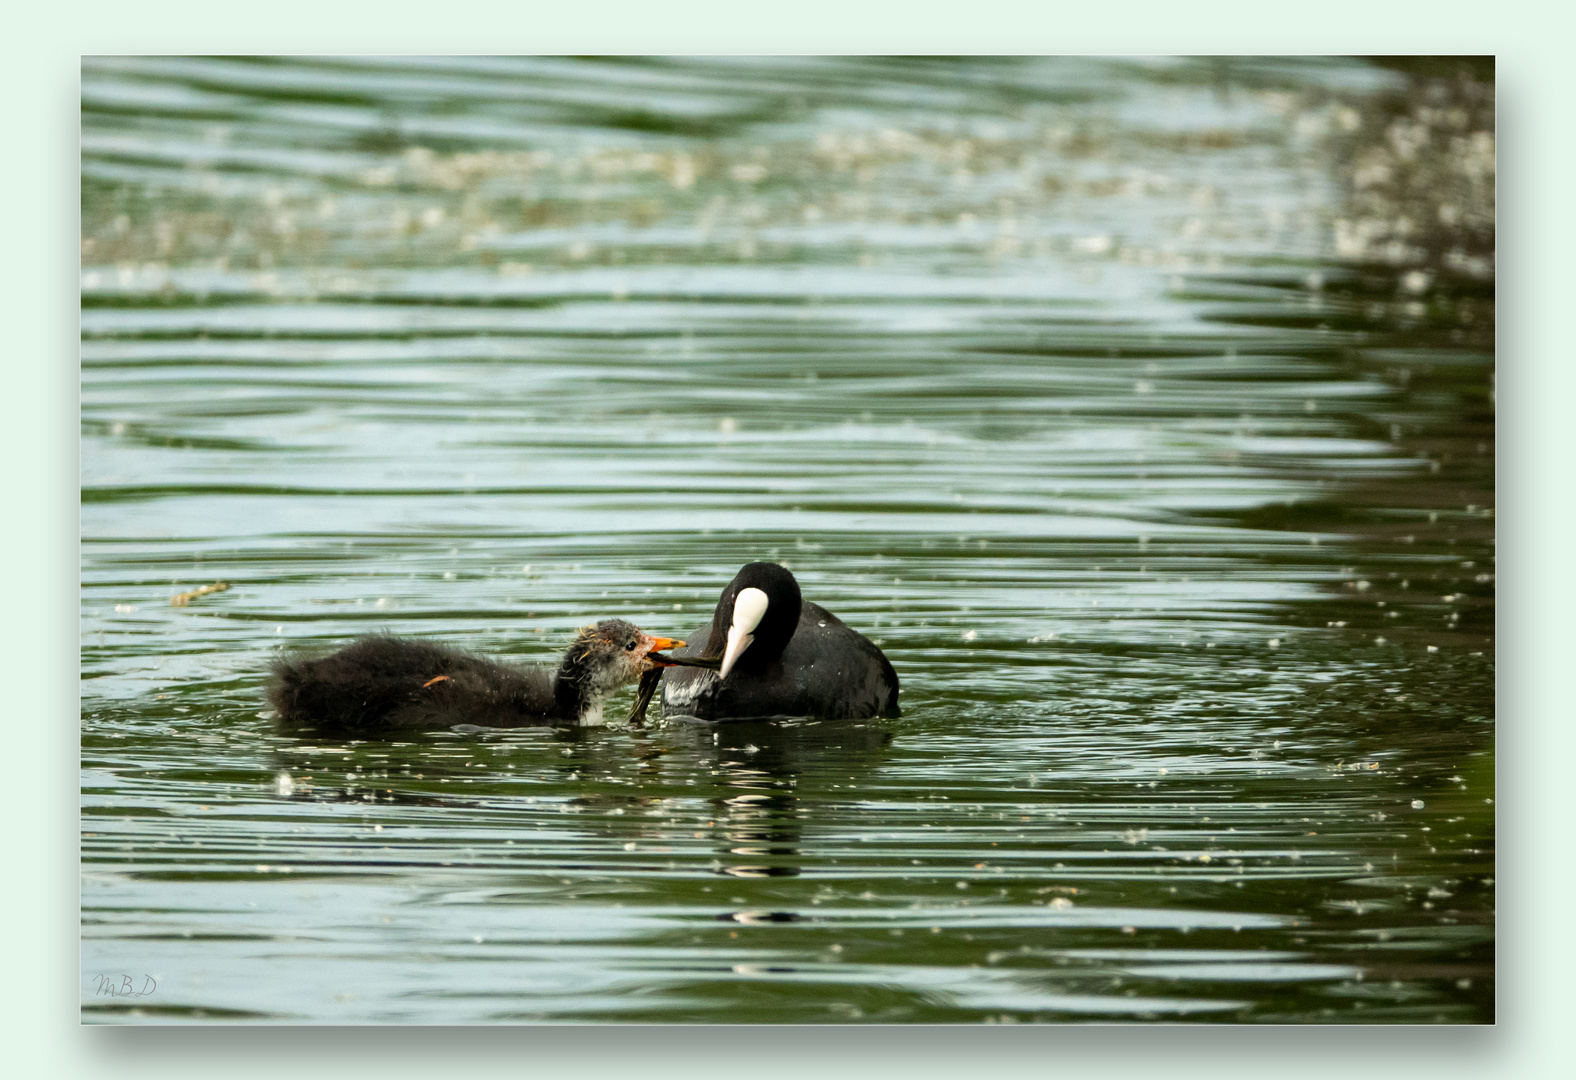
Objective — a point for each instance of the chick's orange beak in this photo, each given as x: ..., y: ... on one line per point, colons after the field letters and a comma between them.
x: 654, y: 657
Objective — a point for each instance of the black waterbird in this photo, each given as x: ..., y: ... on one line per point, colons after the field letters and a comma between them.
x: 775, y: 654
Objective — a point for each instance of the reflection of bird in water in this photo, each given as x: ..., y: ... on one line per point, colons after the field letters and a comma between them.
x: 768, y: 771
x: 778, y: 654
x: 761, y: 831
x: 380, y: 684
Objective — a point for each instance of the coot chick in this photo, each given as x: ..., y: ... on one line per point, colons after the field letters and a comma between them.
x: 389, y: 684
x: 780, y: 655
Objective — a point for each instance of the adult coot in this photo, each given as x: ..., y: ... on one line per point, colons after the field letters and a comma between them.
x: 386, y: 684
x: 778, y: 655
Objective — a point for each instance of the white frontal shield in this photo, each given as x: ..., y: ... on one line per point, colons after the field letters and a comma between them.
x: 749, y: 607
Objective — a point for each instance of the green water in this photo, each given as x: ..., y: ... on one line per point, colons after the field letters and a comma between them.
x: 1141, y: 411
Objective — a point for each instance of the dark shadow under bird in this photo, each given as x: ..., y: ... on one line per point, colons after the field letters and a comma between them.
x: 382, y: 685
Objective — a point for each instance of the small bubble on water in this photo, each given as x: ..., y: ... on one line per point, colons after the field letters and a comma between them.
x: 1417, y: 282
x: 284, y: 785
x: 1417, y: 804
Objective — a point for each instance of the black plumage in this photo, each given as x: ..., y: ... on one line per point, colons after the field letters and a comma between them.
x: 390, y: 684
x: 799, y: 659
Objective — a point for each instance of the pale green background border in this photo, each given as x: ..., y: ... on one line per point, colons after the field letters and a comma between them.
x: 39, y: 970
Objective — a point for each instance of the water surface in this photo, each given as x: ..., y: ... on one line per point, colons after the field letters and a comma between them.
x: 1141, y: 411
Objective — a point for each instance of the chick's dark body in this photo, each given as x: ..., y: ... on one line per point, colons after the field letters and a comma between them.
x: 386, y: 683
x: 390, y: 684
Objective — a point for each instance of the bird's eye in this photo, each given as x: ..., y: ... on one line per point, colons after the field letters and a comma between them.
x: 630, y: 647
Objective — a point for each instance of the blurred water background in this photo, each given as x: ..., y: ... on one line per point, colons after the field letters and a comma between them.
x: 1142, y: 410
